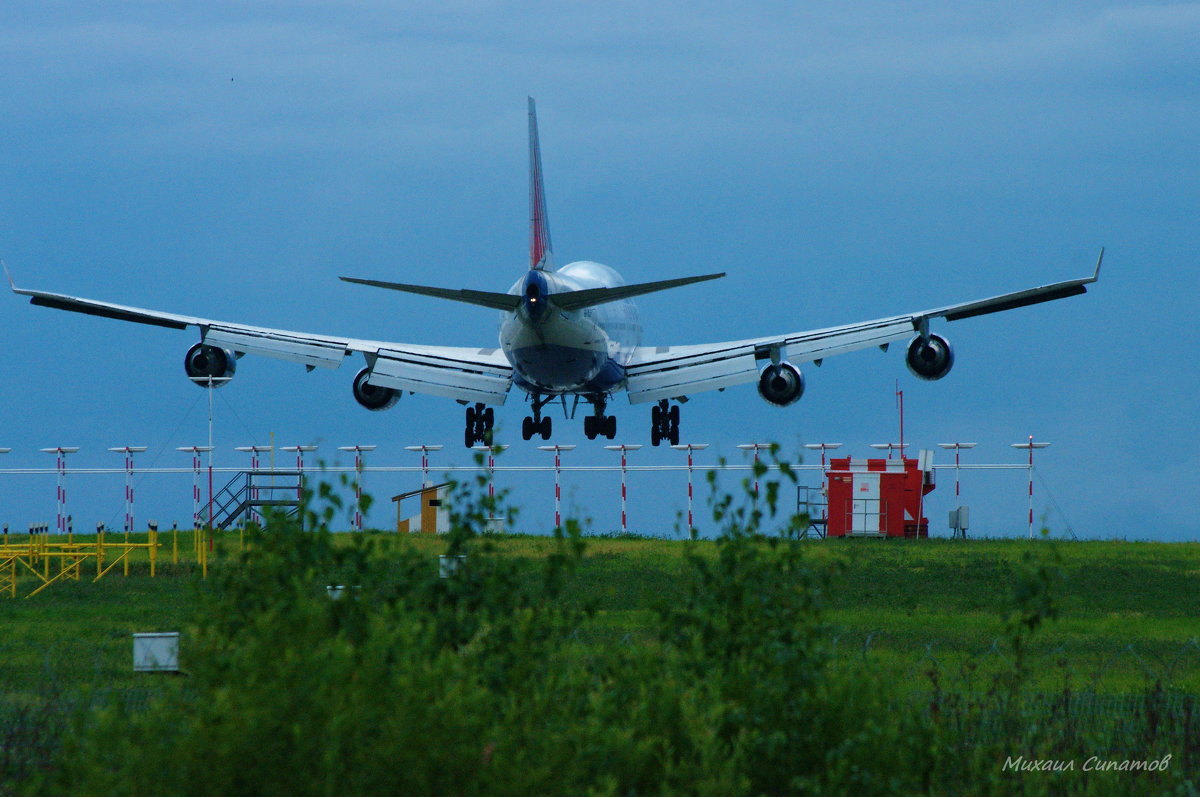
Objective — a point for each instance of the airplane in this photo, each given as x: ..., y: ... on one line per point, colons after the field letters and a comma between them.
x: 565, y: 331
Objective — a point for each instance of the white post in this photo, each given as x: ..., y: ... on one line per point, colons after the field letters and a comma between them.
x: 689, y: 448
x: 1030, y: 445
x: 128, y: 451
x: 5, y: 451
x: 210, y: 382
x: 358, y: 478
x: 624, y: 449
x: 60, y: 463
x: 557, y: 449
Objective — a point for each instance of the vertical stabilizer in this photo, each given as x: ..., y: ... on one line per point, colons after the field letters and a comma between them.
x: 541, y: 255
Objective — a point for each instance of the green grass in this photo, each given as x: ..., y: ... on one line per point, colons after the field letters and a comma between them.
x: 1127, y: 610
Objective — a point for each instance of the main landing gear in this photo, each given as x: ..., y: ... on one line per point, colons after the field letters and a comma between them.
x: 480, y: 420
x: 536, y: 424
x: 598, y: 424
x: 664, y: 423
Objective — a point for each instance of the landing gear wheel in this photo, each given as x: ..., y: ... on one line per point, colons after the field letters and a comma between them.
x: 589, y: 427
x: 527, y: 430
x: 544, y: 428
x: 610, y: 427
x: 664, y: 423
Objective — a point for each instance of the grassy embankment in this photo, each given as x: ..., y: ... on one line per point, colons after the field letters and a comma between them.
x: 1128, y: 611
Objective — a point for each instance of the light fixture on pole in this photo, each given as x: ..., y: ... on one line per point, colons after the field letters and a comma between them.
x: 1031, y: 446
x: 755, y: 447
x: 822, y: 447
x: 300, y: 452
x: 557, y: 449
x: 624, y: 449
x: 60, y: 463
x: 890, y: 447
x: 957, y: 447
x: 128, y: 451
x: 358, y: 473
x: 689, y: 448
x: 196, y: 451
x: 424, y: 461
x: 254, y: 451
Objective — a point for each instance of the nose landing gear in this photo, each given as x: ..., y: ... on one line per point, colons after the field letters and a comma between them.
x: 480, y: 420
x: 536, y: 424
x: 598, y: 424
x: 664, y: 423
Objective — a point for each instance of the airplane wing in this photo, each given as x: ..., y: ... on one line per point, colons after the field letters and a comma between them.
x: 463, y: 374
x: 664, y: 372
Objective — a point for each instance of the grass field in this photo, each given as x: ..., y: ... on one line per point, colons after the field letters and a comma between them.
x: 665, y: 662
x: 1129, y: 613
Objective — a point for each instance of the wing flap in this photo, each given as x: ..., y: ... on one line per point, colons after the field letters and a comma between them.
x: 441, y: 376
x: 689, y: 376
x: 280, y: 345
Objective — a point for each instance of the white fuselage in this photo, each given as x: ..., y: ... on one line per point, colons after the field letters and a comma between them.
x: 583, y: 351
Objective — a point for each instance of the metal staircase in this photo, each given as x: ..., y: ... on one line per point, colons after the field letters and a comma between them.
x: 252, y: 489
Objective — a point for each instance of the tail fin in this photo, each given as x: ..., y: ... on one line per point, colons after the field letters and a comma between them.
x: 541, y: 255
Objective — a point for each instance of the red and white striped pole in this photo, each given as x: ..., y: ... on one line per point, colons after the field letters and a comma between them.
x: 557, y: 449
x: 624, y: 449
x: 60, y: 464
x: 299, y: 466
x: 128, y: 451
x: 254, y: 451
x: 689, y: 448
x: 491, y: 466
x: 1030, y: 445
x: 424, y: 449
x: 358, y: 478
x: 195, y: 451
x: 755, y: 447
x: 957, y: 448
x: 824, y: 489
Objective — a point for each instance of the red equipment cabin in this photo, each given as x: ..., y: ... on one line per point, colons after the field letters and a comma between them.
x: 878, y: 497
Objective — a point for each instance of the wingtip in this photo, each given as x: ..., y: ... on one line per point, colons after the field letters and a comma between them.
x: 1099, y: 261
x: 8, y: 275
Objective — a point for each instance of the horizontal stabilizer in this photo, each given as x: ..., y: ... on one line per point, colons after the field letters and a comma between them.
x: 496, y: 301
x: 589, y: 297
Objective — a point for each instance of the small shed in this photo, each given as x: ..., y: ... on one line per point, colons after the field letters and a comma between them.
x: 879, y: 497
x: 432, y: 518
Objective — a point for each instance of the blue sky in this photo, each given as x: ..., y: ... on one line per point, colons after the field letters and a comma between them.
x: 840, y: 162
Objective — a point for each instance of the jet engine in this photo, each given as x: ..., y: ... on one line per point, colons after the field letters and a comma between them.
x: 203, y: 361
x: 781, y: 384
x: 373, y: 397
x: 930, y: 359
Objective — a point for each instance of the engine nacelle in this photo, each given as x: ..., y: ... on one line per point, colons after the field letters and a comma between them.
x: 373, y: 397
x: 781, y: 384
x: 203, y: 361
x: 930, y: 359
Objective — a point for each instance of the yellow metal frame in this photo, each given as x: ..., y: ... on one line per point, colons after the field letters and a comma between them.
x: 37, y: 551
